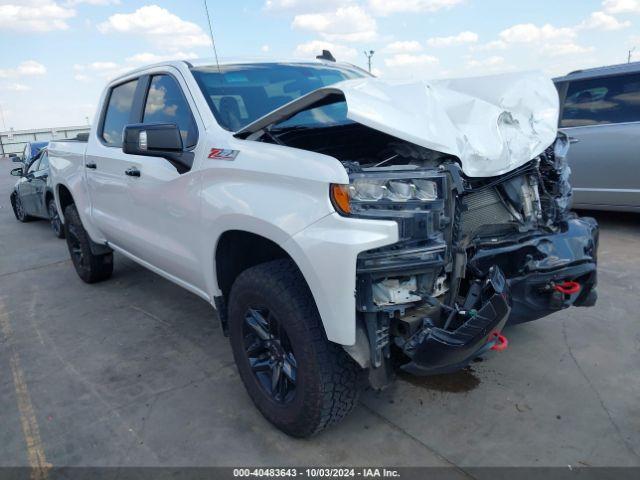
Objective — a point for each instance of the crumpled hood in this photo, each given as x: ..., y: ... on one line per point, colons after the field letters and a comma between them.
x: 493, y: 124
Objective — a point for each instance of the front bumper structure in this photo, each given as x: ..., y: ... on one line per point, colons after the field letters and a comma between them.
x: 434, y: 350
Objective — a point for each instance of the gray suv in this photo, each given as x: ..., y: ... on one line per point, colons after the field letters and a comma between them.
x: 600, y: 111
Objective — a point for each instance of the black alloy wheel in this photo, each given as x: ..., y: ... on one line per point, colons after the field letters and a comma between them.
x: 299, y: 380
x: 93, y: 262
x: 270, y: 354
x: 54, y: 219
x: 75, y: 247
x: 18, y: 209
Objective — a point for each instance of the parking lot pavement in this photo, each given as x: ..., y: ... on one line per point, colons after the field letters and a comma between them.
x: 135, y: 371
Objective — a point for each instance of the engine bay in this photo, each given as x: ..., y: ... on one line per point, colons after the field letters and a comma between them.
x: 476, y: 243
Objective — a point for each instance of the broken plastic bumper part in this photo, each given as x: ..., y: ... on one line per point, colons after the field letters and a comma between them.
x: 434, y: 350
x: 547, y: 273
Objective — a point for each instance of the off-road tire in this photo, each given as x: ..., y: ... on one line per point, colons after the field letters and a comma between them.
x: 18, y: 209
x: 54, y: 219
x: 89, y: 267
x: 328, y: 380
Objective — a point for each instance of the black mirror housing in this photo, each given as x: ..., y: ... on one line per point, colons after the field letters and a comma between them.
x: 17, y: 172
x: 157, y: 140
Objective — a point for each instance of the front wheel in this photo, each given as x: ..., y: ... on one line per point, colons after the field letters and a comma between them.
x: 18, y: 209
x: 90, y: 268
x: 54, y: 219
x: 300, y: 381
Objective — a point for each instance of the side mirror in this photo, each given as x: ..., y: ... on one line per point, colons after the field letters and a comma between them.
x: 17, y: 172
x: 157, y: 140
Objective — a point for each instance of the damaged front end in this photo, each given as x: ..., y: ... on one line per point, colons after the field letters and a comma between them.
x: 475, y: 251
x: 480, y: 253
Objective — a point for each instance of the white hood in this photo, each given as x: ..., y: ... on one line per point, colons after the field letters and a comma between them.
x: 493, y: 124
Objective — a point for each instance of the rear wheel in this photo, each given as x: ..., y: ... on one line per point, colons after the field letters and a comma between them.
x: 18, y: 209
x: 91, y: 268
x: 54, y: 219
x: 300, y: 381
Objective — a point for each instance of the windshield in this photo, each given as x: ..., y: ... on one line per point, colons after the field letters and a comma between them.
x: 240, y: 94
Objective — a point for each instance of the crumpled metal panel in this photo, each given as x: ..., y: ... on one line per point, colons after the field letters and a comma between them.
x: 493, y: 124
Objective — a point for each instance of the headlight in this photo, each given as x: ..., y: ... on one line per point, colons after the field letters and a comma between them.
x: 377, y: 193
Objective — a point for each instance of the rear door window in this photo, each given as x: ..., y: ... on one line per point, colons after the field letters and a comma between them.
x: 602, y: 101
x: 118, y: 112
x: 166, y: 104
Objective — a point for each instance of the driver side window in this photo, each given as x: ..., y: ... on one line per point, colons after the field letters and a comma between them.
x: 44, y: 161
x: 166, y: 104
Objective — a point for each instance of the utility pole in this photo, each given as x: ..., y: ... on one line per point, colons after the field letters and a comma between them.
x: 629, y: 55
x: 369, y: 54
x: 4, y: 125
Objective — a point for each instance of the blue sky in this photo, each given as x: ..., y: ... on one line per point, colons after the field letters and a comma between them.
x: 58, y: 54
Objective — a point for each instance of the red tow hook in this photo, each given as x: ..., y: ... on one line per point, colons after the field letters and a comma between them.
x: 501, y: 342
x: 568, y: 288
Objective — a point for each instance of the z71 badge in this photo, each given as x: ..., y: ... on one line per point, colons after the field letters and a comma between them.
x: 223, y: 154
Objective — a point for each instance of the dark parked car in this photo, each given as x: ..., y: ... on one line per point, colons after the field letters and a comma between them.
x: 32, y: 196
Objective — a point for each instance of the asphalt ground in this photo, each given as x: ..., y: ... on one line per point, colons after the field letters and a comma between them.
x: 135, y: 372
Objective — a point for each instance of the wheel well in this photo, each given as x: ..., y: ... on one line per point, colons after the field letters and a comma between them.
x: 238, y: 250
x: 48, y: 196
x: 65, y: 198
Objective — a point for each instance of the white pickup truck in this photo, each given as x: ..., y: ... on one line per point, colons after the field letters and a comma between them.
x: 342, y: 227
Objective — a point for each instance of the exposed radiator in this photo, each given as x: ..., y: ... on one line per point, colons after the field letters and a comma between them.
x: 484, y: 208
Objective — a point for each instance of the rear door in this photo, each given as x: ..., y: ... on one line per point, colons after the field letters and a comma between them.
x: 602, y: 115
x: 106, y: 163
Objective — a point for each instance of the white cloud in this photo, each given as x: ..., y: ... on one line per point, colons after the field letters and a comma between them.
x: 34, y: 15
x: 569, y: 48
x: 493, y: 61
x: 621, y: 6
x: 530, y: 33
x: 490, y: 46
x: 453, y: 40
x: 408, y: 60
x: 603, y: 21
x: 265, y: 48
x: 387, y: 7
x: 102, y: 66
x: 16, y: 87
x: 310, y: 49
x: 101, y: 3
x: 80, y: 77
x: 351, y: 24
x: 304, y: 5
x: 158, y: 25
x: 26, y: 68
x: 409, y: 46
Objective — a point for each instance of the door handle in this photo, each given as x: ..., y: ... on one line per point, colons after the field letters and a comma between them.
x: 91, y: 165
x: 132, y: 172
x: 573, y: 140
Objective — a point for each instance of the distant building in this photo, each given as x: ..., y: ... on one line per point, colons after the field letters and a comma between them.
x: 14, y: 141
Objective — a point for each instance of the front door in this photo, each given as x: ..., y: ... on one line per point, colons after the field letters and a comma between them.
x: 165, y: 203
x: 27, y: 190
x: 602, y: 116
